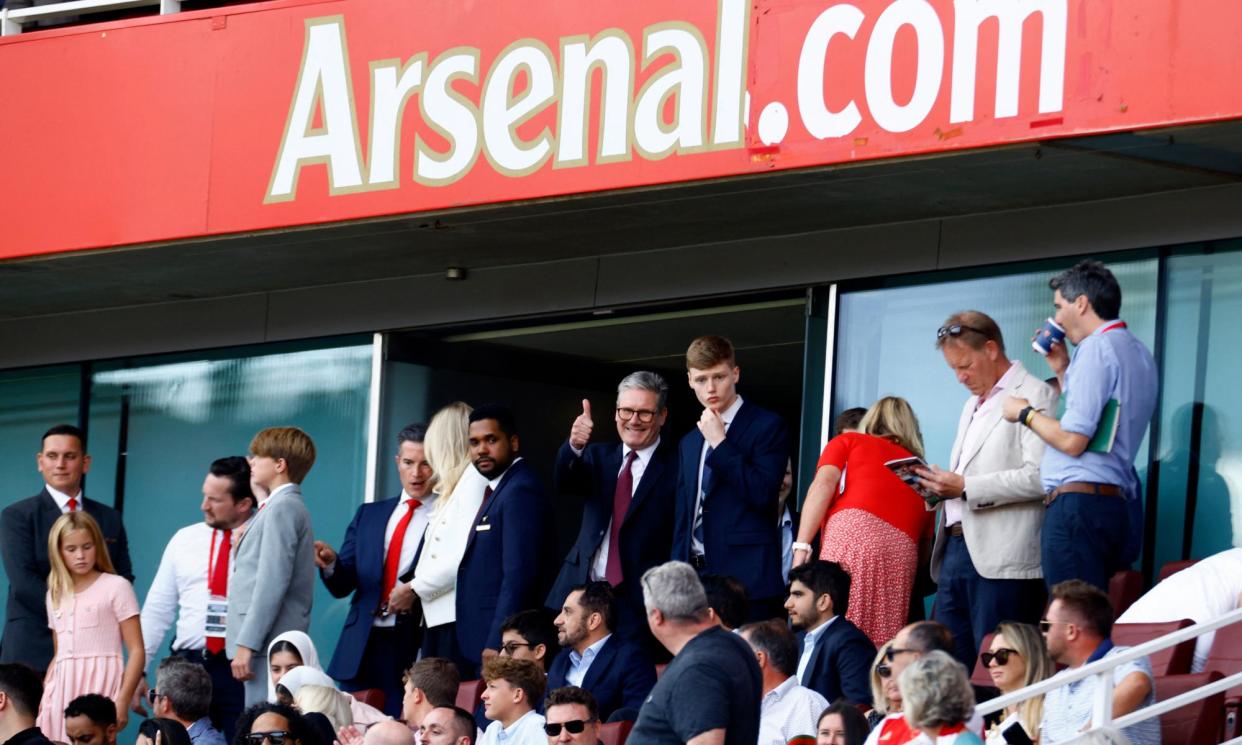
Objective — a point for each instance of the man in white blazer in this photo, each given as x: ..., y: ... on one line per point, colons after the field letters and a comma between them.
x: 986, y: 559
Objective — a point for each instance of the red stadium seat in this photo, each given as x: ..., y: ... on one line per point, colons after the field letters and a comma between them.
x: 615, y: 733
x: 660, y: 670
x: 980, y: 675
x: 1226, y: 658
x: 1123, y: 589
x: 370, y: 696
x: 469, y: 694
x: 1171, y: 661
x: 1197, y: 723
x: 1173, y: 567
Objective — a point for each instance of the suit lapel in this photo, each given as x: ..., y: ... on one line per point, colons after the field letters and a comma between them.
x: 485, y: 516
x: 993, y: 417
x: 962, y: 422
x: 646, y: 485
x: 692, y: 449
x: 49, y: 511
x: 375, y: 542
x: 612, y: 467
x: 820, y: 643
x: 600, y: 664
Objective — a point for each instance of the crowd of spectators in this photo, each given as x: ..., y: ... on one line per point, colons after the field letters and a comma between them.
x: 685, y: 607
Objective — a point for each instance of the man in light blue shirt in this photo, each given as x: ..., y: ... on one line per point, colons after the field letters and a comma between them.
x: 1093, y: 522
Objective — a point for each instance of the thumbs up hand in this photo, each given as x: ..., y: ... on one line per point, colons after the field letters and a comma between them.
x: 580, y: 433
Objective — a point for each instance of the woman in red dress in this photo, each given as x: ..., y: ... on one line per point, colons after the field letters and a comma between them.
x: 873, y: 526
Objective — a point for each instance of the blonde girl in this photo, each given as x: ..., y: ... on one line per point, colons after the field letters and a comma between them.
x: 93, y: 614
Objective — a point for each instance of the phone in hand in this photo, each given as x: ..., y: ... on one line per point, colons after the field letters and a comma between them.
x: 1015, y: 734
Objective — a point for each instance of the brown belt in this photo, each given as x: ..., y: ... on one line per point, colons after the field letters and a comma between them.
x: 1083, y: 487
x: 955, y: 530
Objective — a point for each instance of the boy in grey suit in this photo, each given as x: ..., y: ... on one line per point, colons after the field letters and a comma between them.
x: 274, y: 569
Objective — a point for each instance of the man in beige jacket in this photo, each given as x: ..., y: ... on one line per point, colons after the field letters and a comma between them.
x: 986, y: 559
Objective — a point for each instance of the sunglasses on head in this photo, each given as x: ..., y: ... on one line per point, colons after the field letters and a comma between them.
x: 276, y: 737
x: 956, y: 329
x: 573, y: 727
x: 884, y: 671
x: 1001, y: 656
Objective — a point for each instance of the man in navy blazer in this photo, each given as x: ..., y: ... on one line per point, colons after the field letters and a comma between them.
x: 509, y: 548
x: 24, y: 528
x: 381, y: 635
x: 615, y: 670
x: 729, y: 483
x: 834, y: 655
x: 636, y: 481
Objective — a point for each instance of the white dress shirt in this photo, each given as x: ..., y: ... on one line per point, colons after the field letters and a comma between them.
x: 808, y: 645
x: 525, y: 731
x: 787, y: 711
x: 409, y: 546
x: 62, y: 499
x: 283, y: 487
x: 696, y: 547
x: 179, y: 589
x: 953, y: 508
x: 580, y: 663
x: 599, y: 564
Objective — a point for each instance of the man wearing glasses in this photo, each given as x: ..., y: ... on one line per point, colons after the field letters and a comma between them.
x: 182, y: 693
x: 986, y: 560
x: 627, y: 491
x: 572, y: 718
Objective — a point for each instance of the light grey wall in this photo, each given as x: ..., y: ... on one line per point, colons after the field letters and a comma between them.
x: 573, y: 285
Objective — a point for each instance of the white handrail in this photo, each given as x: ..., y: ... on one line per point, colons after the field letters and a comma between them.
x: 1106, y: 665
x: 1178, y: 701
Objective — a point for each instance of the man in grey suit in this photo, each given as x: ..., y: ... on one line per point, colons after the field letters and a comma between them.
x: 274, y: 571
x: 986, y: 559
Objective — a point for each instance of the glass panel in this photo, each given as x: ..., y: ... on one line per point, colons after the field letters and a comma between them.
x: 185, y: 412
x: 1201, y: 438
x: 886, y: 339
x: 31, y: 401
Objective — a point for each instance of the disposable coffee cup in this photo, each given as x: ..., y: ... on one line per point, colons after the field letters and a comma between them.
x: 1050, y: 334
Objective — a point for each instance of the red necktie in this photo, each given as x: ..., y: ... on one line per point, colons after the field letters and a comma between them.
x: 73, y: 504
x: 392, y: 562
x: 487, y: 495
x: 218, y: 584
x: 620, y: 505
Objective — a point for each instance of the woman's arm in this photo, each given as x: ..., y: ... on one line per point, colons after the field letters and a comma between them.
x: 136, y: 662
x: 818, y: 499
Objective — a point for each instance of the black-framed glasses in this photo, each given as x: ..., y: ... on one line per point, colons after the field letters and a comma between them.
x: 573, y: 726
x: 510, y: 647
x: 152, y: 695
x: 1001, y: 656
x: 275, y: 737
x: 644, y: 415
x: 1045, y: 625
x: 891, y: 653
x: 884, y: 671
x: 956, y: 329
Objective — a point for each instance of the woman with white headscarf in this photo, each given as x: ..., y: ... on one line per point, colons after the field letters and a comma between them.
x: 295, y: 663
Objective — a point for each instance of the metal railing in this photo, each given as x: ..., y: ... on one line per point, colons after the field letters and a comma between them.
x: 13, y: 20
x: 1102, y: 708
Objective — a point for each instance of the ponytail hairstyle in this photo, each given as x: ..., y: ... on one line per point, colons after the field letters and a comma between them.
x: 60, y: 579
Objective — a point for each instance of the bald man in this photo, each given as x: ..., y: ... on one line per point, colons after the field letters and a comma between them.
x: 390, y: 732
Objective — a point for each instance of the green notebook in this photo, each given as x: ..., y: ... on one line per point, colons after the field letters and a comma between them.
x: 1105, y: 431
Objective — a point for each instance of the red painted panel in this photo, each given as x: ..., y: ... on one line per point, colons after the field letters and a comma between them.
x: 166, y: 128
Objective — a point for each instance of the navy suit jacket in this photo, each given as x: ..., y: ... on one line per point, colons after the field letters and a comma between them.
x: 646, y: 531
x: 508, y: 555
x: 620, y: 677
x: 741, y: 537
x: 840, y: 666
x: 24, y: 528
x: 360, y: 570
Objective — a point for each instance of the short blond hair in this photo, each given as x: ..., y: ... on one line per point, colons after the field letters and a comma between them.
x: 709, y: 351
x: 289, y: 444
x: 892, y: 418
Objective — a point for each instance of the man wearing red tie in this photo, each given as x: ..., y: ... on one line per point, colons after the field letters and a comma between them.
x: 192, y: 586
x: 24, y: 526
x: 376, y: 562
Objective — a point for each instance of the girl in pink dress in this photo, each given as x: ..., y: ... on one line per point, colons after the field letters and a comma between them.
x: 92, y: 612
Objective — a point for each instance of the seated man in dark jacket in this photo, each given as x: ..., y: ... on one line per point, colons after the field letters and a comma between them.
x: 834, y: 655
x: 616, y: 671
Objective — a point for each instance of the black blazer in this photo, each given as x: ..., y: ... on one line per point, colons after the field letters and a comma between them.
x: 740, y: 532
x: 24, y: 529
x: 646, y: 532
x: 620, y: 677
x: 840, y: 666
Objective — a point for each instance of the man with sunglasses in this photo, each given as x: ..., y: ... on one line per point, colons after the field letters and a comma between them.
x: 572, y: 717
x: 986, y: 560
x: 627, y: 492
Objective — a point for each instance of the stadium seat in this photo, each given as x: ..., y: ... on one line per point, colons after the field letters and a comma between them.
x: 980, y: 675
x: 1173, y: 567
x: 660, y: 670
x: 370, y: 696
x: 1196, y: 723
x: 1171, y: 661
x: 1226, y: 658
x: 469, y: 694
x: 1123, y: 589
x: 615, y: 733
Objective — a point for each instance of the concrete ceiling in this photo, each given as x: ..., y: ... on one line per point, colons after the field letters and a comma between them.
x: 1060, y: 172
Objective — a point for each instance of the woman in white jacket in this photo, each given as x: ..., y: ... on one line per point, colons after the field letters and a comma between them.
x: 460, y: 490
